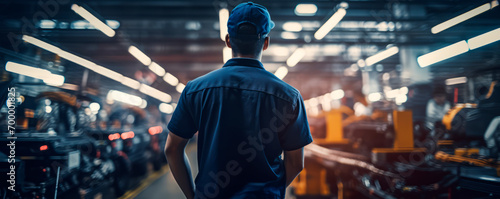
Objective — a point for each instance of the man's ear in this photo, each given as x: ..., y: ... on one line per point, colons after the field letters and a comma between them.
x: 266, y: 44
x: 228, y: 44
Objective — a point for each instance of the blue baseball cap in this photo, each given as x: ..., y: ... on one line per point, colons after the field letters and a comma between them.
x: 252, y: 13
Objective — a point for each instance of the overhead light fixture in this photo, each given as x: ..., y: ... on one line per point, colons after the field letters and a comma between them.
x: 73, y: 58
x: 400, y: 99
x: 223, y: 18
x: 227, y: 54
x: 306, y: 9
x: 396, y: 92
x: 296, y: 56
x: 54, y: 80
x: 337, y: 94
x: 443, y: 54
x: 484, y: 39
x: 157, y: 69
x: 361, y: 63
x: 132, y: 83
x: 166, y: 108
x: 41, y: 44
x: 155, y: 93
x: 381, y: 55
x: 281, y: 72
x: 100, y: 25
x: 180, y: 87
x: 47, y: 24
x: 38, y: 73
x: 373, y: 97
x: 94, y: 107
x: 143, y: 58
x: 328, y: 25
x: 456, y: 80
x: 108, y: 73
x: 460, y: 18
x: 144, y: 104
x: 171, y: 79
x: 292, y: 26
x: 289, y: 35
x: 124, y: 97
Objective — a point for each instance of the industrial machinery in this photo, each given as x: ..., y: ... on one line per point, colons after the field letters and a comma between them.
x: 57, y: 158
x: 381, y: 157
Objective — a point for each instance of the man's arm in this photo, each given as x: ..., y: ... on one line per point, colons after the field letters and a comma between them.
x: 179, y: 164
x: 294, y: 163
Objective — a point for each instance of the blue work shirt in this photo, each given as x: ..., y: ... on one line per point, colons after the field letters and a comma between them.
x: 245, y: 117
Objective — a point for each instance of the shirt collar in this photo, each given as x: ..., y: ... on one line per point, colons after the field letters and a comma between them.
x: 244, y: 62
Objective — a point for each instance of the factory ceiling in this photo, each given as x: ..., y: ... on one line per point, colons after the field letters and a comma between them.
x: 183, y: 37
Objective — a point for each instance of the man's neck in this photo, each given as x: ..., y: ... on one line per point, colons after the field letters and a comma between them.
x: 247, y: 56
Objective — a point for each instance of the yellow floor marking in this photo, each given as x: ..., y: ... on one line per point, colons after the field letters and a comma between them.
x: 145, y: 183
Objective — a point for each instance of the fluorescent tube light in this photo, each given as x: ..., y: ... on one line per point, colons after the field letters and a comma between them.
x: 124, y: 97
x: 381, y: 55
x: 171, y: 79
x: 460, y: 18
x: 328, y: 26
x: 157, y: 69
x: 289, y: 35
x: 306, y: 9
x: 93, y: 20
x: 223, y: 18
x: 73, y: 58
x: 38, y: 73
x: 155, y: 93
x: 132, y: 83
x: 54, y: 80
x: 143, y: 58
x: 296, y: 56
x: 166, y: 108
x: 373, y: 97
x: 484, y: 39
x: 337, y: 94
x: 361, y: 63
x: 456, y: 80
x: 292, y: 26
x: 443, y: 53
x: 107, y: 73
x: 41, y: 44
x: 281, y: 72
x: 180, y: 87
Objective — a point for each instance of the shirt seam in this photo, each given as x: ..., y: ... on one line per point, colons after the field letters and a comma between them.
x: 289, y: 101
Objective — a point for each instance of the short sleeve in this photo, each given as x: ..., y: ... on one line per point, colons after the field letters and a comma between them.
x: 182, y: 122
x: 297, y: 134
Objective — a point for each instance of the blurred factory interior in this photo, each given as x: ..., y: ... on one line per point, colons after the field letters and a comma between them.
x: 402, y: 96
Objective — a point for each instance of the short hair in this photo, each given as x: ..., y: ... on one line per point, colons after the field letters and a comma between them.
x: 247, y: 46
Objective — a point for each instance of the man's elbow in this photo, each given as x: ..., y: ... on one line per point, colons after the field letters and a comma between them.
x: 169, y: 150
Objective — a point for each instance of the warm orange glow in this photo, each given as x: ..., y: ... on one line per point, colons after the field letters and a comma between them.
x: 114, y: 136
x: 155, y: 130
x: 44, y: 147
x: 128, y: 135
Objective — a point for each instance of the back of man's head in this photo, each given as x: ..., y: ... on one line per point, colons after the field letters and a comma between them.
x: 248, y: 42
x: 248, y: 26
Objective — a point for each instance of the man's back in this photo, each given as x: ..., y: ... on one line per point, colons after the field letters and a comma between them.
x: 245, y: 117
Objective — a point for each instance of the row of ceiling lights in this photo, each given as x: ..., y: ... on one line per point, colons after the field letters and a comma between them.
x: 144, y: 59
x: 428, y: 59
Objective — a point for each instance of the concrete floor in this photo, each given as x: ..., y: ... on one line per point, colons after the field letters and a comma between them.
x: 165, y: 186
